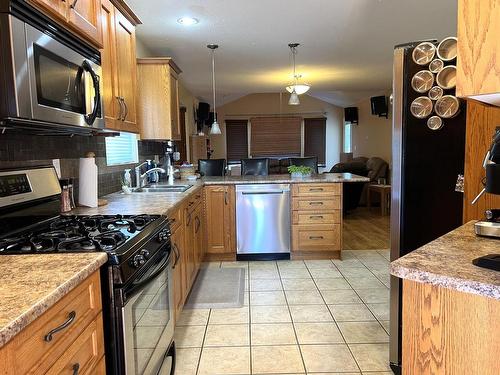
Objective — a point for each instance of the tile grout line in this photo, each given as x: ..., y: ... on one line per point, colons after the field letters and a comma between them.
x: 203, y: 341
x: 291, y: 319
x: 249, y: 319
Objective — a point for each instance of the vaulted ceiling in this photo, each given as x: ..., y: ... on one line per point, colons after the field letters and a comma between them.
x: 345, y: 52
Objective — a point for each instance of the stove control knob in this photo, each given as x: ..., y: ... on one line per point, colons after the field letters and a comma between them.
x: 164, y: 235
x: 138, y: 260
x: 145, y: 253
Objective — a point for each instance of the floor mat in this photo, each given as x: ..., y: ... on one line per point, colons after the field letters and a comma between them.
x: 217, y: 288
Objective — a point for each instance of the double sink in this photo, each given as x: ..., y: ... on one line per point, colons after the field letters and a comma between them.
x: 162, y: 189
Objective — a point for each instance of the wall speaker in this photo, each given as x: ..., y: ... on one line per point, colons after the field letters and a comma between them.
x: 379, y: 106
x: 351, y: 115
x: 203, y: 112
x: 210, y: 119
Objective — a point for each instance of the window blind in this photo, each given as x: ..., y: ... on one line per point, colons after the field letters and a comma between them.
x: 122, y: 149
x: 236, y: 140
x: 315, y: 138
x: 275, y: 136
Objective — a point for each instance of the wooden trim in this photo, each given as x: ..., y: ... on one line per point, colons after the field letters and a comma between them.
x: 449, y: 332
x: 123, y: 7
x: 160, y: 61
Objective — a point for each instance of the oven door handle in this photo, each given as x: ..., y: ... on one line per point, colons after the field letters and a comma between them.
x: 85, y: 67
x: 136, y: 286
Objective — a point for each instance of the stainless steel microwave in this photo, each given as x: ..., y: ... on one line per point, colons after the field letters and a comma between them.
x: 46, y: 81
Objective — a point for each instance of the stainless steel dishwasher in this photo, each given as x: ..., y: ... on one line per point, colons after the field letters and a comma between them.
x: 263, y: 221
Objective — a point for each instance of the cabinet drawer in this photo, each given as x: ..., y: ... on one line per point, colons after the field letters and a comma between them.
x: 175, y: 218
x: 316, y: 204
x: 194, y: 201
x: 316, y: 238
x: 84, y: 354
x: 316, y: 189
x: 301, y: 217
x: 33, y: 351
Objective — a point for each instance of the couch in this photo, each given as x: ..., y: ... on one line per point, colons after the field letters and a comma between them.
x: 373, y: 168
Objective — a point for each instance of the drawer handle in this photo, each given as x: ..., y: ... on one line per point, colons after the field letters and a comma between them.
x: 71, y: 318
x: 76, y: 369
x: 315, y: 203
x: 197, y: 224
x: 316, y: 237
x: 316, y: 189
x: 176, y: 254
x: 316, y: 217
x: 73, y: 5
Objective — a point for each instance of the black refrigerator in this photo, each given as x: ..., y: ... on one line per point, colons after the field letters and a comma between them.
x: 425, y: 167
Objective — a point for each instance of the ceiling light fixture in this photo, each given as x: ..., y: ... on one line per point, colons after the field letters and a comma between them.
x: 215, y: 129
x: 296, y: 88
x: 188, y: 21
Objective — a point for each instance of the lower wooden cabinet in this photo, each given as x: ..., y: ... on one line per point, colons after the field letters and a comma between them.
x: 40, y: 349
x: 179, y: 269
x: 316, y: 220
x: 220, y: 221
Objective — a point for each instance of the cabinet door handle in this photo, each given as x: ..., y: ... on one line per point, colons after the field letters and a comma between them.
x: 73, y: 5
x: 121, y: 107
x: 126, y: 108
x: 76, y: 369
x: 176, y: 253
x: 225, y: 197
x: 189, y: 219
x: 316, y: 189
x: 316, y: 237
x: 315, y: 203
x: 197, y: 224
x: 71, y: 317
x: 316, y: 217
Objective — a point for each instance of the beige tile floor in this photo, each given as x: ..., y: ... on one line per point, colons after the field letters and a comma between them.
x: 300, y: 317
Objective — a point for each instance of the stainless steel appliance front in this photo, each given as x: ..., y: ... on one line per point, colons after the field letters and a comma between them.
x: 148, y: 322
x: 263, y: 218
x: 51, y: 83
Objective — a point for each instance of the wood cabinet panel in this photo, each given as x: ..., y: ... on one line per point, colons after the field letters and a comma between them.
x: 449, y: 332
x: 316, y: 203
x: 316, y: 237
x: 85, y: 16
x: 316, y: 189
x: 478, y: 62
x: 179, y: 269
x: 301, y: 217
x: 29, y: 351
x: 198, y: 148
x: 53, y: 8
x: 126, y: 71
x: 482, y: 121
x: 84, y: 353
x: 220, y: 219
x: 158, y: 105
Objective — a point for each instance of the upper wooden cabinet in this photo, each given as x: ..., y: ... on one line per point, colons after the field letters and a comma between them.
x: 118, y: 70
x: 158, y: 93
x: 82, y: 16
x: 220, y: 209
x: 478, y: 61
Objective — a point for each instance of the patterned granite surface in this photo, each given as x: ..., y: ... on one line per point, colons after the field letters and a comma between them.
x: 284, y: 179
x: 31, y: 284
x: 447, y: 262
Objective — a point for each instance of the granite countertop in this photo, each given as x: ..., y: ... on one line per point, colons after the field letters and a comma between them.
x: 284, y: 179
x: 31, y: 284
x: 447, y: 262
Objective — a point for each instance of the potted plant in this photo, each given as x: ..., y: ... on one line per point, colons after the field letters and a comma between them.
x: 300, y: 171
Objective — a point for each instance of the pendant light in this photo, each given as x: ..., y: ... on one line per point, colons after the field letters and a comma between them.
x: 215, y: 129
x: 296, y: 88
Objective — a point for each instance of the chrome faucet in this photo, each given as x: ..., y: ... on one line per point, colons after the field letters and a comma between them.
x: 142, y: 177
x: 138, y: 174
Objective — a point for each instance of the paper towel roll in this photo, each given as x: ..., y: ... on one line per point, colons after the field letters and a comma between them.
x: 87, y: 187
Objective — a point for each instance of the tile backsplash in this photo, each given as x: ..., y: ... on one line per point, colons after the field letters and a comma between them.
x: 22, y: 150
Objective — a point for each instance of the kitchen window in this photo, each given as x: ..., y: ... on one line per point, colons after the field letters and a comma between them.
x: 122, y: 149
x: 347, y: 137
x: 275, y: 136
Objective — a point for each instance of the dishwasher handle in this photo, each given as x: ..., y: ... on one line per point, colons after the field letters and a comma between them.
x: 263, y: 192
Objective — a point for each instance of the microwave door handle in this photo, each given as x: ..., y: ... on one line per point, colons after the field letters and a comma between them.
x: 85, y: 67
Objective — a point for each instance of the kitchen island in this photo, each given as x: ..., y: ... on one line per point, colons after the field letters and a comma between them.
x: 451, y: 308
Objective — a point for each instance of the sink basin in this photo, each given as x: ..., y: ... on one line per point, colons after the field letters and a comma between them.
x: 163, y: 189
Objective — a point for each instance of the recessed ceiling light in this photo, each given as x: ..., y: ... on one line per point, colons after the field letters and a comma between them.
x: 187, y: 21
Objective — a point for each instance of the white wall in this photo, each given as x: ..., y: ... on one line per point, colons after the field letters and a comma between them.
x: 275, y: 103
x: 373, y: 135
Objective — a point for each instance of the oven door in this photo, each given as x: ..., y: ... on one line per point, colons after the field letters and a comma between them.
x: 148, y: 322
x: 64, y: 86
